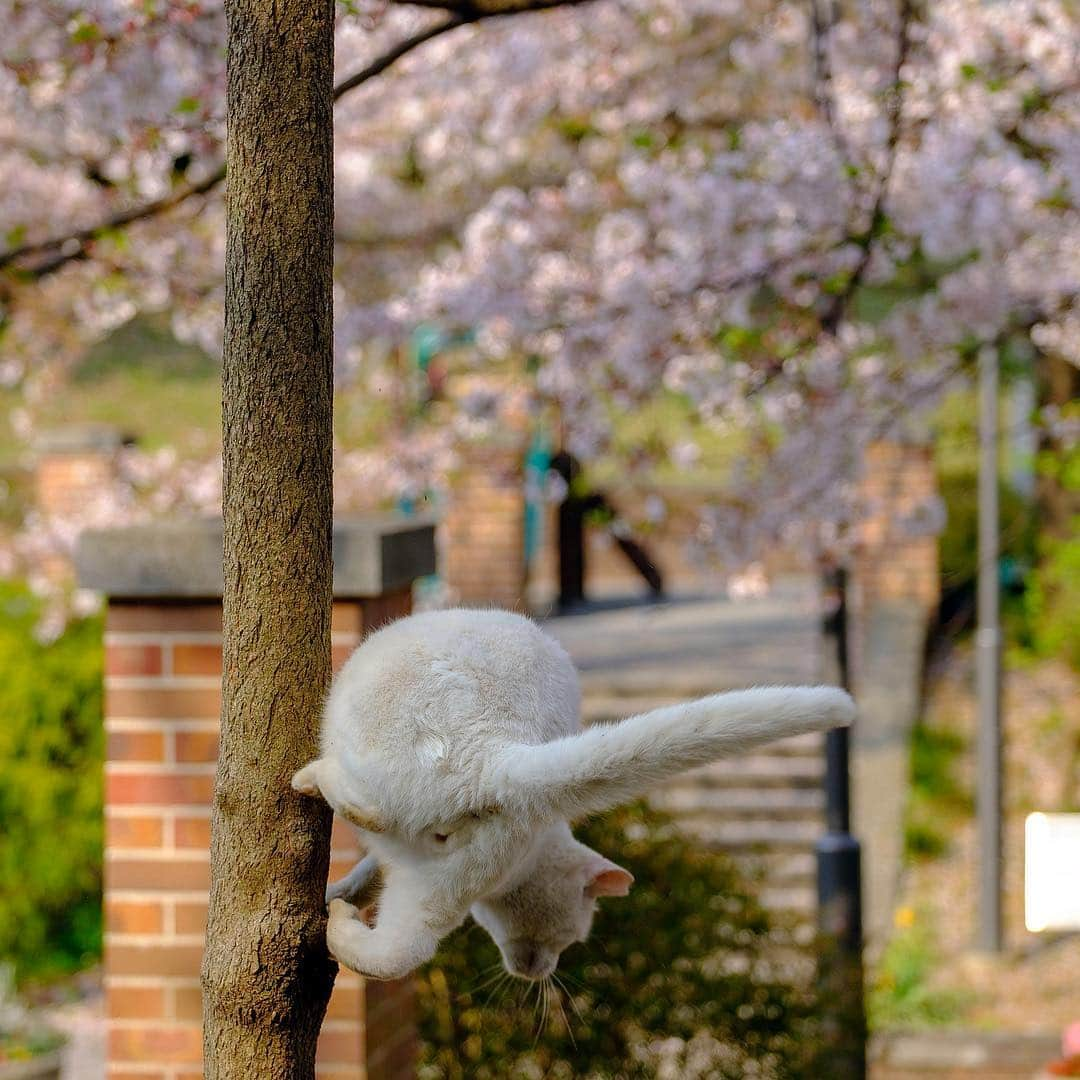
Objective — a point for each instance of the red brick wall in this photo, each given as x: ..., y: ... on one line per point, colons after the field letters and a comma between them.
x: 484, y: 530
x: 898, y: 558
x: 163, y: 693
x: 65, y: 481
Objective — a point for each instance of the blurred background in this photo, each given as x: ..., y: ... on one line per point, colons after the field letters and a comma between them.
x: 739, y: 343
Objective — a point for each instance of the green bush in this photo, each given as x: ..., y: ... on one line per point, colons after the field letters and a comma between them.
x: 51, y: 744
x: 1053, y: 598
x: 937, y: 798
x: 959, y: 542
x: 681, y: 978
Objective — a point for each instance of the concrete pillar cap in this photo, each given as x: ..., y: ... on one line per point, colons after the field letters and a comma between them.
x: 181, y: 559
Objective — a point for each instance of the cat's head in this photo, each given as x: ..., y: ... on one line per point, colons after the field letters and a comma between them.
x: 551, y: 905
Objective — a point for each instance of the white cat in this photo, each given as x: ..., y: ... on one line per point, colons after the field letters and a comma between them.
x: 452, y: 740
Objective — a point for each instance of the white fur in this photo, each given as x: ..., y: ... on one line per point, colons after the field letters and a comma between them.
x: 452, y: 740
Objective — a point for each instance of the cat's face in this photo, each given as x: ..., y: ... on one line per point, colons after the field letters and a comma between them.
x: 552, y: 906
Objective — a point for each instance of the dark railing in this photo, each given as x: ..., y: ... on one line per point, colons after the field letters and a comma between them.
x: 840, y: 877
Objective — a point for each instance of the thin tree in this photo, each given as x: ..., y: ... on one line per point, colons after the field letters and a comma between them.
x: 266, y: 974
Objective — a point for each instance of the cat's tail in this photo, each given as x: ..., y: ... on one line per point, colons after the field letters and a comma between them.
x: 608, y: 764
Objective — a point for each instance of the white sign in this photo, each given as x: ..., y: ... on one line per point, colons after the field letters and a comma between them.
x: 1052, y: 872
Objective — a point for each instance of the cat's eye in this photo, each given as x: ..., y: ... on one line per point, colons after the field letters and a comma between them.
x: 441, y: 837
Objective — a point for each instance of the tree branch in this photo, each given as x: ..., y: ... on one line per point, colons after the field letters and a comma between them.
x: 830, y: 320
x: 41, y: 258
x: 58, y: 250
x: 822, y: 21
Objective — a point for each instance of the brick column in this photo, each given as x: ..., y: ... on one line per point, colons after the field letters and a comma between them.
x: 484, y: 534
x: 162, y: 704
x: 894, y: 594
x: 898, y: 557
x: 72, y: 466
x: 896, y: 565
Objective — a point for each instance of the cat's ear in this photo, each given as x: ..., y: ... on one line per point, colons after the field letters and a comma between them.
x: 609, y: 880
x: 608, y: 764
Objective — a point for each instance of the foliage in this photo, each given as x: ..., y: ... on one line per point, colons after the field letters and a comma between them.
x: 676, y: 980
x: 1053, y: 600
x: 936, y: 794
x: 51, y: 752
x: 957, y: 458
x: 959, y: 542
x: 902, y: 994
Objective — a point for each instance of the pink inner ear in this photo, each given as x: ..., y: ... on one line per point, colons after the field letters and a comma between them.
x: 614, y: 882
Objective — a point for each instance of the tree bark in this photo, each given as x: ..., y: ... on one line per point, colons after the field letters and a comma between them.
x: 266, y: 973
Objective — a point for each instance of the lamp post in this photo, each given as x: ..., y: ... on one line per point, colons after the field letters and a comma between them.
x: 839, y: 878
x: 988, y: 661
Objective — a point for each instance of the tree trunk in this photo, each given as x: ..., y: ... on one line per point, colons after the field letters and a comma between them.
x: 266, y: 973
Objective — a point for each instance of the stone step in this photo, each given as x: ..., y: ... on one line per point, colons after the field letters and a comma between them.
x: 748, y: 834
x: 759, y: 770
x: 781, y: 868
x: 765, y: 803
x: 801, y: 900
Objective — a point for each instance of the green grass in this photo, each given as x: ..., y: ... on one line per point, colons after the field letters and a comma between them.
x: 160, y: 392
x: 139, y: 380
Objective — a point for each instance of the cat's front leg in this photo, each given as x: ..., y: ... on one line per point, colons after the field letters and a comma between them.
x: 356, y: 883
x: 391, y: 949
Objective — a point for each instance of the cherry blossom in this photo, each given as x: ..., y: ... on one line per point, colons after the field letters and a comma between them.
x: 798, y: 219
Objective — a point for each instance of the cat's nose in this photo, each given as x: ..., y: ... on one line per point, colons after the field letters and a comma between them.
x: 531, y: 962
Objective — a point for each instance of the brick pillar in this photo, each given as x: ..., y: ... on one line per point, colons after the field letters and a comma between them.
x: 162, y: 704
x: 73, y: 465
x: 72, y: 468
x: 894, y: 593
x: 898, y: 558
x: 484, y: 533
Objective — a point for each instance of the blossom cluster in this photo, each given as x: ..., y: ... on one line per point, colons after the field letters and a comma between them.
x: 801, y: 219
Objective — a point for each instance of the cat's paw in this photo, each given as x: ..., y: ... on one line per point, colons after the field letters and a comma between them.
x: 305, y: 781
x: 342, y: 911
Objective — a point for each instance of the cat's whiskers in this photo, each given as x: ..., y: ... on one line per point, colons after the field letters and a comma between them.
x: 537, y: 1008
x: 541, y: 1002
x: 569, y: 997
x: 500, y: 987
x: 559, y: 991
x: 486, y: 978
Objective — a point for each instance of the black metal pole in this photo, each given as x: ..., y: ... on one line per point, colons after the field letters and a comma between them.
x: 839, y: 876
x: 571, y: 534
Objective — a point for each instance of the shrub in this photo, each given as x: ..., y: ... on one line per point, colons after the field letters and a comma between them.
x: 959, y: 542
x: 937, y: 798
x: 1053, y: 600
x: 51, y: 742
x: 682, y: 978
